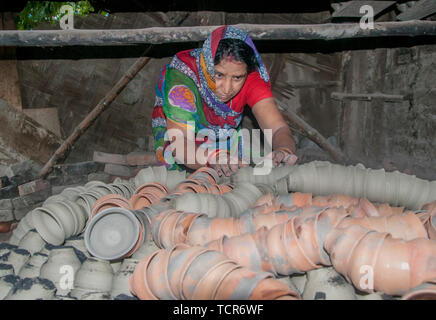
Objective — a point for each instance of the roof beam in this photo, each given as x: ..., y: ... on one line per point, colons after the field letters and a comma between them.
x: 160, y: 35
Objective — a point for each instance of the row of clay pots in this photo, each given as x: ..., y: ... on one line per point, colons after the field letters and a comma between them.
x: 87, y: 195
x: 170, y: 227
x: 249, y: 174
x: 230, y: 204
x: 407, y: 226
x: 56, y: 221
x: 161, y: 175
x: 295, y: 246
x: 397, y: 265
x: 116, y: 233
x: 395, y: 188
x: 185, y: 272
x: 400, y: 223
x: 144, y: 196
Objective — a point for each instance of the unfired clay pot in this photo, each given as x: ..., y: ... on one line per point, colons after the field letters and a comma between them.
x: 32, y: 289
x: 113, y: 233
x: 60, y: 261
x: 94, y: 275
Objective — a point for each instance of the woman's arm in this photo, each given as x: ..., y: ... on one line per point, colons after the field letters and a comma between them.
x: 269, y: 117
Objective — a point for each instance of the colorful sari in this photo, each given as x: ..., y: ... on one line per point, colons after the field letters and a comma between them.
x: 185, y: 94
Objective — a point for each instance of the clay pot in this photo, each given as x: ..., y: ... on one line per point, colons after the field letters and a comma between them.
x: 327, y: 284
x: 120, y: 280
x: 32, y: 289
x: 78, y: 243
x: 60, y: 260
x: 206, y: 174
x: 339, y: 244
x: 112, y: 234
x: 397, y: 265
x: 5, y: 270
x: 425, y: 291
x: 17, y: 258
x: 157, y: 189
x: 251, y: 281
x: 173, y: 228
x: 243, y: 249
x: 174, y: 177
x: 144, y: 176
x: 25, y: 224
x: 160, y: 173
x: 32, y: 267
x: 7, y: 284
x: 110, y: 201
x: 157, y: 276
x: 65, y: 217
x: 140, y: 200
x: 94, y: 275
x: 137, y: 282
x: 32, y: 242
x: 267, y: 199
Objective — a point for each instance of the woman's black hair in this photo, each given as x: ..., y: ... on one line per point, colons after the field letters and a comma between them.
x: 239, y: 50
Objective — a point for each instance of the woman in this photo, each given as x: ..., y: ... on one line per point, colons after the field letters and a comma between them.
x: 207, y: 89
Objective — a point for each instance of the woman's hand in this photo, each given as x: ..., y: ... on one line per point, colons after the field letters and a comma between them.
x: 283, y: 155
x: 224, y: 163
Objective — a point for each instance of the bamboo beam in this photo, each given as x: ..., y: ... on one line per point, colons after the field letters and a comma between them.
x: 159, y: 35
x: 314, y: 135
x: 89, y: 119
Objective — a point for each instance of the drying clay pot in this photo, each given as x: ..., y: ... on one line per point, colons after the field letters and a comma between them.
x: 112, y: 233
x: 6, y: 247
x: 425, y: 291
x: 32, y: 242
x: 79, y: 244
x: 110, y: 201
x: 6, y: 269
x: 48, y: 226
x: 120, y: 281
x: 32, y: 289
x: 17, y: 258
x: 174, y: 177
x: 327, y: 284
x: 60, y: 261
x: 93, y: 276
x: 33, y: 266
x: 7, y: 284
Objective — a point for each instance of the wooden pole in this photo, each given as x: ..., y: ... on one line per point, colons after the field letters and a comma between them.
x: 159, y: 35
x: 101, y: 106
x: 314, y: 135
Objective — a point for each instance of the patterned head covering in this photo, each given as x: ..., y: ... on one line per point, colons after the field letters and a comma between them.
x: 205, y: 59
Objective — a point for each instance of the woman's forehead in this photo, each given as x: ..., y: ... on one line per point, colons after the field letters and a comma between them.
x: 231, y: 66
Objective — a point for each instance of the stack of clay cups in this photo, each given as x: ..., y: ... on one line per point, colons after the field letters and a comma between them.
x: 58, y: 220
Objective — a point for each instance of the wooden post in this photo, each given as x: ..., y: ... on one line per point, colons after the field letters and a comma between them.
x: 101, y: 106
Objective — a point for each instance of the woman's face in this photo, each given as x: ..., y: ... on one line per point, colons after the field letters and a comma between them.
x: 230, y: 76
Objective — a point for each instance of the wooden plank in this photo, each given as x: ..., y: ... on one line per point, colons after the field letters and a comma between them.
x: 159, y: 35
x: 351, y: 9
x: 420, y: 10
